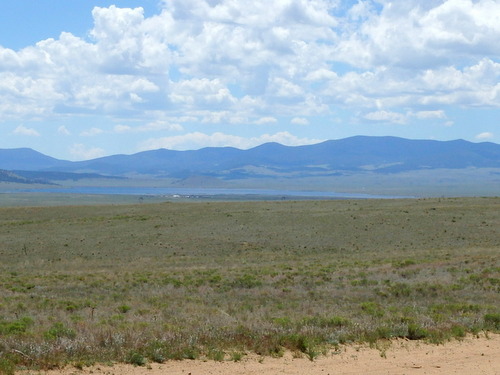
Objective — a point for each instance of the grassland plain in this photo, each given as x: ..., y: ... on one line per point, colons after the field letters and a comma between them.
x: 216, y: 280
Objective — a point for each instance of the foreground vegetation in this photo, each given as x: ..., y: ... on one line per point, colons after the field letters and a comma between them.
x: 153, y: 282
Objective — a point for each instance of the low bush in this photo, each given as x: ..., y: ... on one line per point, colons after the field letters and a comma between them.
x: 136, y: 359
x: 59, y: 330
x: 492, y: 321
x: 15, y: 327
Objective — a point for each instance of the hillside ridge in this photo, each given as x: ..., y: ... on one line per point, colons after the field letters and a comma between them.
x: 359, y: 154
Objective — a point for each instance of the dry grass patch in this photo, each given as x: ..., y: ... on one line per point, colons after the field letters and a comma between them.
x: 215, y: 280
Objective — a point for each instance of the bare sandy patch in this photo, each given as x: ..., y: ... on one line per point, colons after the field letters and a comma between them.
x: 469, y: 356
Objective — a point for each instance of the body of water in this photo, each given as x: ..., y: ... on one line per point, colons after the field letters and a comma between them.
x: 173, y: 192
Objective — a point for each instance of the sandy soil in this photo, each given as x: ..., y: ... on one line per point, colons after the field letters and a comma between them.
x: 469, y: 356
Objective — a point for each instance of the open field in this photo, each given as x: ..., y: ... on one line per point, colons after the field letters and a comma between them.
x: 219, y: 280
x: 43, y: 199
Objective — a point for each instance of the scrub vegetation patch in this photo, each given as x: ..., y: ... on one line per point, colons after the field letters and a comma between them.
x: 218, y: 280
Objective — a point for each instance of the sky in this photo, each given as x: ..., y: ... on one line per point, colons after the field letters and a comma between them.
x: 82, y: 79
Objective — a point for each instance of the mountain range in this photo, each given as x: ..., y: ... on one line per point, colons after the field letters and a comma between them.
x: 360, y: 154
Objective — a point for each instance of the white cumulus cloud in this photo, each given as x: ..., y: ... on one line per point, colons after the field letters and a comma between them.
x: 300, y: 121
x: 83, y: 152
x: 265, y: 120
x: 429, y: 114
x: 148, y: 127
x: 386, y: 116
x: 91, y: 132
x: 484, y: 136
x: 63, y: 130
x: 202, y: 63
x: 22, y: 130
x: 281, y: 54
x: 416, y: 34
x: 202, y: 93
x: 198, y: 140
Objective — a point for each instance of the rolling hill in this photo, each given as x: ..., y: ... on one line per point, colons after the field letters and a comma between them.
x: 360, y: 154
x: 351, y: 155
x: 376, y: 165
x: 9, y: 176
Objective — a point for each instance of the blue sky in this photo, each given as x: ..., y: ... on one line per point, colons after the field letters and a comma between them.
x: 82, y: 79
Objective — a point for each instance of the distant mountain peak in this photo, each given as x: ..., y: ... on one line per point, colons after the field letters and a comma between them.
x: 358, y: 154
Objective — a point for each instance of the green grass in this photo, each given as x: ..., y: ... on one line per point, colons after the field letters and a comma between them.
x: 155, y: 282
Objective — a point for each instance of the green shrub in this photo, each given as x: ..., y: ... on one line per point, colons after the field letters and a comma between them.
x: 16, y: 327
x: 216, y: 355
x: 492, y: 321
x: 189, y: 352
x: 284, y: 322
x: 173, y: 281
x: 373, y: 309
x: 71, y: 307
x: 246, y: 281
x: 438, y: 336
x: 379, y: 333
x: 124, y: 309
x: 454, y: 308
x: 236, y: 356
x: 458, y: 331
x: 403, y: 263
x: 303, y: 344
x: 400, y: 290
x: 415, y: 332
x: 59, y: 330
x: 325, y: 322
x: 136, y: 359
x: 427, y: 289
x: 7, y: 366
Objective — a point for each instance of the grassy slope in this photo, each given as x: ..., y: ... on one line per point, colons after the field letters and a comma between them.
x: 182, y: 280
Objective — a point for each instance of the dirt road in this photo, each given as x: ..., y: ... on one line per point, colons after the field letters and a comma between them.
x: 469, y: 356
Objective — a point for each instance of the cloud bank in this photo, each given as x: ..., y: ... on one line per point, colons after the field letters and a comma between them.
x: 252, y: 63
